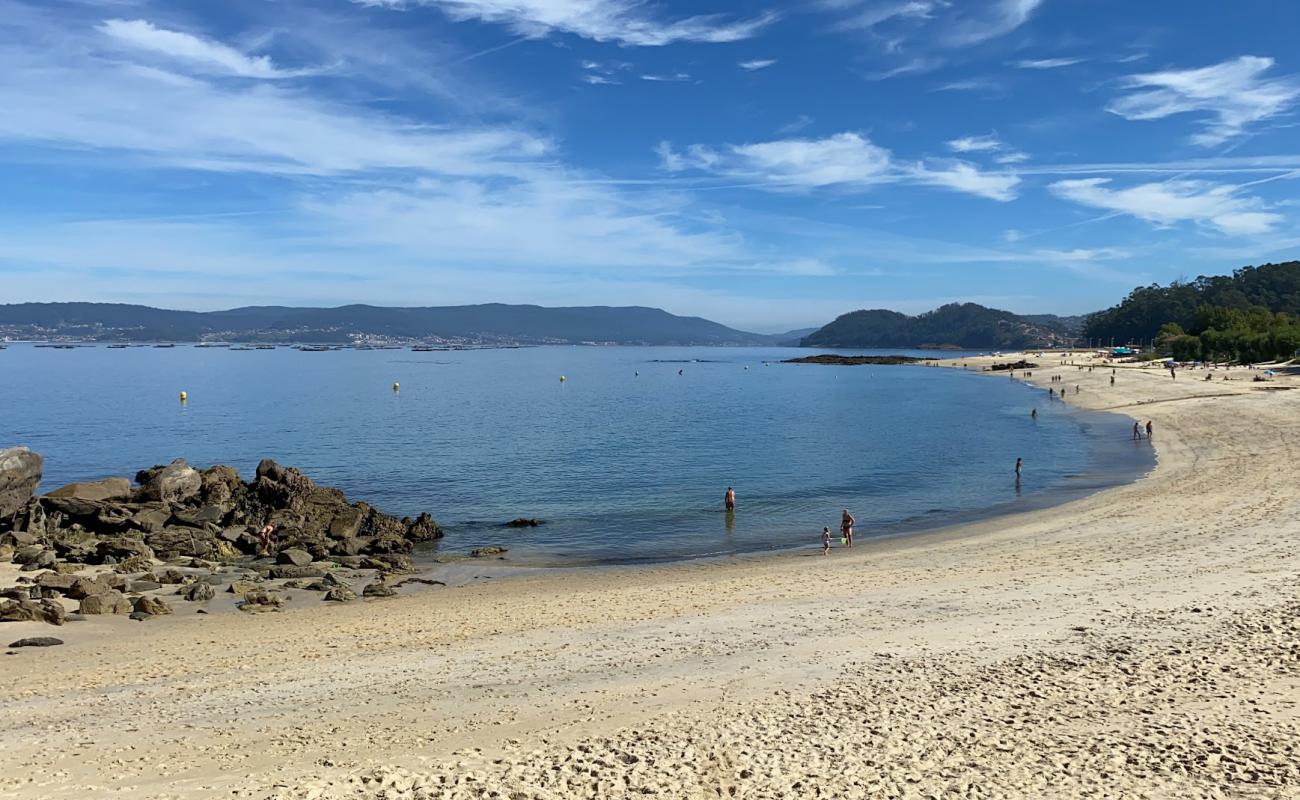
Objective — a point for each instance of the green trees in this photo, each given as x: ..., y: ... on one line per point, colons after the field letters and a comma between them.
x: 1271, y: 287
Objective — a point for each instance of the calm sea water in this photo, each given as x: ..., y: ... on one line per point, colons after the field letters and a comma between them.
x: 627, y: 460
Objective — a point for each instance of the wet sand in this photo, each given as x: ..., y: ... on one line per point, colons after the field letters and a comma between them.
x: 1141, y: 642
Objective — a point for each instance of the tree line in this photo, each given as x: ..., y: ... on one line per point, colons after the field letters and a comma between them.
x: 1251, y: 315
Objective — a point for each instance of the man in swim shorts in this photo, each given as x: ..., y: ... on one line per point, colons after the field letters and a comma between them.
x: 729, y: 500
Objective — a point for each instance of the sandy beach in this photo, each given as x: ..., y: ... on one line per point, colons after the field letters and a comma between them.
x: 1141, y: 642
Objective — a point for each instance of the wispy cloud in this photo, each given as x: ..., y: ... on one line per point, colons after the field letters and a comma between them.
x: 970, y: 85
x: 671, y: 77
x: 794, y: 126
x: 975, y: 144
x: 757, y: 64
x: 1047, y: 63
x: 622, y: 21
x: 847, y: 161
x: 1234, y: 93
x: 993, y: 20
x: 1214, y: 205
x: 205, y: 54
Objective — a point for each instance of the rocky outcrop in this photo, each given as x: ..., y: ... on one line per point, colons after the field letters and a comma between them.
x: 96, y: 491
x: 201, y: 523
x: 37, y: 641
x: 524, y: 522
x: 20, y: 474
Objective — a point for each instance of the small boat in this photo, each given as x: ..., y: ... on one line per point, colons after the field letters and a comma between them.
x: 117, y: 347
x: 165, y: 345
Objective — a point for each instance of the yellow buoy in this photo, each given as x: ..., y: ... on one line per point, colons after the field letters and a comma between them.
x: 184, y: 397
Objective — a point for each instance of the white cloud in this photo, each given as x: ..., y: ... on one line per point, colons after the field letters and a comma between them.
x: 675, y: 77
x: 204, y: 54
x: 942, y: 23
x: 963, y: 177
x: 1047, y: 63
x: 596, y: 79
x: 975, y: 144
x: 996, y: 19
x: 1233, y: 92
x: 871, y: 16
x: 1214, y: 205
x: 622, y: 21
x: 845, y: 160
x: 757, y: 64
x: 1013, y: 157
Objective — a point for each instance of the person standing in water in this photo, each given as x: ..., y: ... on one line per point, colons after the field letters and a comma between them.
x: 1150, y: 428
x: 846, y: 527
x: 1137, y: 431
x: 1019, y: 463
x: 729, y: 500
x: 1033, y: 414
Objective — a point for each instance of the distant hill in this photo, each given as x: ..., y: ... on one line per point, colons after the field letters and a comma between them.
x: 967, y: 326
x: 489, y: 323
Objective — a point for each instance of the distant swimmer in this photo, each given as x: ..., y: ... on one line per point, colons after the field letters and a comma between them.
x: 826, y: 541
x: 729, y: 500
x: 1033, y: 414
x: 846, y: 527
x: 680, y: 371
x: 1019, y: 464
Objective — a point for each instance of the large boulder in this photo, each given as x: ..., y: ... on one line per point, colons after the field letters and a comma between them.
x: 174, y: 483
x: 50, y: 611
x: 101, y: 490
x: 110, y: 602
x: 294, y: 556
x: 220, y: 485
x: 153, y: 606
x: 124, y: 547
x: 20, y: 474
x: 340, y: 594
x: 199, y: 592
x: 172, y: 542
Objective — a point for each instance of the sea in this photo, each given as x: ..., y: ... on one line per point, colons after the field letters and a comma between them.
x: 625, y: 453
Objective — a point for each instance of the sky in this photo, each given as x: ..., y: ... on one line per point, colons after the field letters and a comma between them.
x: 767, y: 165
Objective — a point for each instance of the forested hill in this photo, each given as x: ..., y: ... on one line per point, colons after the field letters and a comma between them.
x: 1140, y: 316
x: 489, y: 323
x: 958, y: 325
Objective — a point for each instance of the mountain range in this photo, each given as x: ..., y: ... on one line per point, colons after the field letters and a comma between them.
x: 966, y: 326
x: 491, y: 323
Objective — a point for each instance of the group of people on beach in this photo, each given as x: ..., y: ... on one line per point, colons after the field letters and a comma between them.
x: 846, y: 523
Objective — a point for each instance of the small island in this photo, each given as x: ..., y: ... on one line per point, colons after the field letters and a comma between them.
x: 853, y: 361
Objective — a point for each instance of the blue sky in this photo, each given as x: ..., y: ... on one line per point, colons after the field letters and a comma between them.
x: 766, y: 165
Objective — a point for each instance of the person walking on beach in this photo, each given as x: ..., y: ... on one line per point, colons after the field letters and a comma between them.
x: 729, y: 500
x: 1112, y: 380
x: 846, y: 527
x: 826, y: 541
x: 1137, y: 431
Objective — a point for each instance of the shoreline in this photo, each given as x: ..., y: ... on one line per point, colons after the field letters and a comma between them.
x: 881, y: 665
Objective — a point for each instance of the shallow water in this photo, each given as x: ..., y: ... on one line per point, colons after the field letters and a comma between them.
x: 622, y: 466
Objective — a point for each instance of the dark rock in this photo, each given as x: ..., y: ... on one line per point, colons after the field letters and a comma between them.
x: 294, y: 556
x: 174, y: 483
x: 85, y: 587
x: 133, y: 564
x: 201, y: 517
x: 199, y: 592
x: 45, y: 559
x: 424, y: 529
x: 340, y: 594
x: 124, y: 547
x: 110, y: 602
x: 424, y: 581
x: 280, y: 571
x: 151, y: 519
x: 378, y: 589
x: 346, y: 523
x: 261, y: 601
x: 220, y: 484
x: 173, y: 576
x: 73, y: 507
x: 243, y: 587
x: 172, y: 542
x: 29, y: 554
x: 484, y: 552
x: 32, y: 611
x: 105, y: 489
x: 151, y: 605
x: 143, y: 586
x: 139, y: 616
x: 55, y: 582
x: 20, y: 474
x: 37, y: 641
x: 523, y: 522
x: 853, y: 361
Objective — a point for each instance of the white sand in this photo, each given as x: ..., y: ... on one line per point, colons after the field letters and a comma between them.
x: 1143, y: 642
